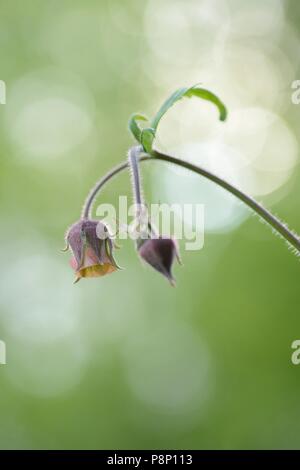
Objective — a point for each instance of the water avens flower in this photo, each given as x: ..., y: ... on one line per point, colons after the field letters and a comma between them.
x: 92, y: 249
x: 93, y: 253
x: 160, y: 253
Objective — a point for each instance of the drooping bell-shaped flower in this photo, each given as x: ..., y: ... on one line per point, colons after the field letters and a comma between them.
x: 92, y: 249
x: 160, y: 254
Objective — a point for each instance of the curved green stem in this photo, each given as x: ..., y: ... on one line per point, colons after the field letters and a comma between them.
x: 273, y: 221
x: 88, y: 205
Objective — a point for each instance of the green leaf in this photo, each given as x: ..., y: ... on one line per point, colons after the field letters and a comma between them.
x: 209, y: 96
x: 189, y: 92
x: 134, y: 127
x: 147, y: 138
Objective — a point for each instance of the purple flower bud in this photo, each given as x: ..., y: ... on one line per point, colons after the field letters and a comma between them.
x: 160, y: 254
x: 92, y: 249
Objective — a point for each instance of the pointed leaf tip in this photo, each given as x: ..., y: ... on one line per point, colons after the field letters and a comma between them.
x: 189, y: 92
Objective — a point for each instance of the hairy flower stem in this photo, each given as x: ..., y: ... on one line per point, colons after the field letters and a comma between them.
x: 88, y: 205
x: 143, y: 222
x: 133, y: 160
x: 274, y: 222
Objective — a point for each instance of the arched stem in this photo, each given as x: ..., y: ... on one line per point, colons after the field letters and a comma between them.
x: 88, y: 205
x: 275, y: 223
x: 279, y: 226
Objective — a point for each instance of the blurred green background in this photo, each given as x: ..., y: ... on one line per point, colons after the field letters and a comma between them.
x: 126, y: 361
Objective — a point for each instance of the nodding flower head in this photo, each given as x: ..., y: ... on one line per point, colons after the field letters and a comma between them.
x: 92, y: 249
x: 160, y: 254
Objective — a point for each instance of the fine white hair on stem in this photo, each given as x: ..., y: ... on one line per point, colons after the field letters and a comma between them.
x: 88, y: 204
x: 133, y: 163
